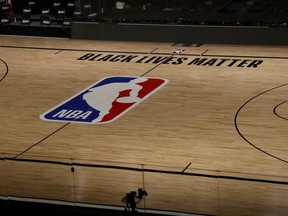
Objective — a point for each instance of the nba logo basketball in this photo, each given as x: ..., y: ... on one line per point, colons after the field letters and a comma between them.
x: 105, y: 100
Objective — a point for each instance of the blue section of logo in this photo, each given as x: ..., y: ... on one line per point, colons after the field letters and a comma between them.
x: 76, y: 110
x: 114, y: 80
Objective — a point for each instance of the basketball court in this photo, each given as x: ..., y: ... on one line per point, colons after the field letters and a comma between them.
x: 209, y: 139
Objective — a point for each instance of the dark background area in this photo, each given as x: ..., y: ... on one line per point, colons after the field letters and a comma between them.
x: 12, y: 207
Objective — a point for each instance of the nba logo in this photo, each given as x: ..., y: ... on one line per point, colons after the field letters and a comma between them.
x: 105, y: 100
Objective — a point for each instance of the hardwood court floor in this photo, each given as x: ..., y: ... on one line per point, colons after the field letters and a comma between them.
x: 224, y: 109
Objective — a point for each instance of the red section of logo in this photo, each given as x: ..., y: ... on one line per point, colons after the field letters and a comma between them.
x: 148, y: 87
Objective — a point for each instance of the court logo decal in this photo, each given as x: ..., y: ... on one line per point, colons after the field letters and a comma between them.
x: 105, y: 100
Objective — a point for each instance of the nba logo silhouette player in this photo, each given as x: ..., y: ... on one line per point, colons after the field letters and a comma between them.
x: 105, y: 100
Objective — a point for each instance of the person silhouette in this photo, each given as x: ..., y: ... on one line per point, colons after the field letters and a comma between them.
x: 131, y: 201
x: 102, y: 97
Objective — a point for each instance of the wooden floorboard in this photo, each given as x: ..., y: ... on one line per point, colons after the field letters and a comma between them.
x: 211, y: 141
